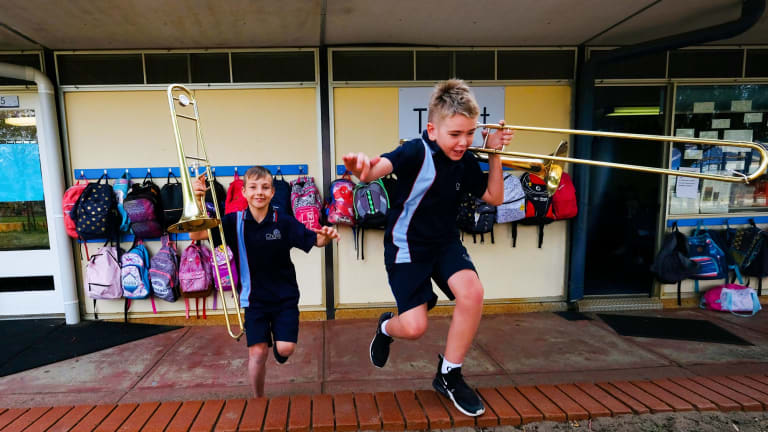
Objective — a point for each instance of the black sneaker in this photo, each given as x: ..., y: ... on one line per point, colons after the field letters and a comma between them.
x: 280, y: 359
x: 452, y: 386
x: 380, y: 343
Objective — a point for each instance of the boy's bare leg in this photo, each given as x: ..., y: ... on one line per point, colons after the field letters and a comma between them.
x: 285, y: 349
x: 257, y: 362
x: 410, y: 324
x: 468, y: 290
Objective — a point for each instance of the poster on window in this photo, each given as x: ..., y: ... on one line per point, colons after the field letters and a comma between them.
x: 414, y: 101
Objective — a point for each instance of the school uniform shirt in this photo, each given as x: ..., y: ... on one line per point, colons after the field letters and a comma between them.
x: 425, y: 202
x: 268, y: 245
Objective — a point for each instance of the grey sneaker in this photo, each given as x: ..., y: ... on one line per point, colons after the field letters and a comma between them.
x: 380, y: 343
x: 452, y: 386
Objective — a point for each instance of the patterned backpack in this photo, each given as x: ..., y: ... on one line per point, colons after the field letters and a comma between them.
x: 68, y: 202
x: 476, y: 217
x: 306, y: 202
x: 195, y: 278
x: 135, y: 272
x: 226, y: 283
x: 163, y: 272
x: 338, y: 208
x: 95, y: 212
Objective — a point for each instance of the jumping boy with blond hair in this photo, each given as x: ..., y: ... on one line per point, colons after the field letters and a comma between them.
x: 262, y: 238
x: 421, y: 241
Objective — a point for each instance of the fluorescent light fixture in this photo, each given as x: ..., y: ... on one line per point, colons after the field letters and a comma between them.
x: 635, y: 111
x: 21, y: 121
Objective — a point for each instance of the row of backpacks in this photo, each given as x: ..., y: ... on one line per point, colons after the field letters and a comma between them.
x: 526, y: 201
x: 710, y: 254
x: 113, y: 274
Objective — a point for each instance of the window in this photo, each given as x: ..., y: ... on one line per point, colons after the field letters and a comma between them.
x: 372, y: 65
x: 298, y: 66
x: 757, y: 63
x: 475, y: 65
x: 31, y: 60
x: 724, y: 63
x: 530, y: 65
x: 29, y: 283
x: 209, y: 67
x: 434, y: 65
x: 77, y: 69
x: 730, y: 112
x: 167, y: 68
x: 646, y: 66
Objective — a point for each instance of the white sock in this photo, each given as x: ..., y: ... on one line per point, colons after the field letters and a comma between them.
x: 384, y: 327
x: 447, y: 366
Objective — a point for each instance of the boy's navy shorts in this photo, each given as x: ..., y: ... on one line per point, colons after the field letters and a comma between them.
x: 410, y: 282
x: 268, y: 322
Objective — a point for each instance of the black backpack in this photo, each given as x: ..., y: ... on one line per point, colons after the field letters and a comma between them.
x: 221, y: 197
x: 538, y: 204
x: 672, y: 264
x: 282, y: 198
x: 95, y: 212
x: 758, y: 267
x: 371, y: 204
x: 476, y: 217
x: 145, y: 209
x: 172, y: 201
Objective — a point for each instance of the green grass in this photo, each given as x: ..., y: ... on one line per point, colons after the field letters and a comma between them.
x: 23, y: 240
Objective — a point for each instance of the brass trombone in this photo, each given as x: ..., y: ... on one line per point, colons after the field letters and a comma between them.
x: 545, y: 166
x: 194, y: 216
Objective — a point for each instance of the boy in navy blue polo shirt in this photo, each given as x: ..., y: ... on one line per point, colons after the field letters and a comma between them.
x: 261, y: 239
x: 421, y: 241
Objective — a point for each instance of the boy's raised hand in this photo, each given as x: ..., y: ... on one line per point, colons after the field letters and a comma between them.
x: 359, y: 164
x: 198, y: 186
x: 500, y: 138
x: 325, y: 234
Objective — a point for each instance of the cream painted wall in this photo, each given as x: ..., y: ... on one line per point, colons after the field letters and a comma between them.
x: 365, y: 119
x: 122, y: 129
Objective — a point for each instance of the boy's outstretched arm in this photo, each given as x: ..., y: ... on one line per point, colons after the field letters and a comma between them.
x: 366, y: 169
x: 494, y: 192
x: 324, y: 235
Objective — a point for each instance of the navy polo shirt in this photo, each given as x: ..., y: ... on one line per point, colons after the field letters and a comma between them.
x: 268, y: 245
x: 425, y: 202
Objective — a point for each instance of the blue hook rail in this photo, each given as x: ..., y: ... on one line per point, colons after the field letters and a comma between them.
x: 162, y: 172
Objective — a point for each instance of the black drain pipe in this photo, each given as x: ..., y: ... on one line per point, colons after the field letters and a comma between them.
x: 751, y: 11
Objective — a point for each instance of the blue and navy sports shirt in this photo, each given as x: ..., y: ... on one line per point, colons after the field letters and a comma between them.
x: 268, y: 245
x: 425, y: 202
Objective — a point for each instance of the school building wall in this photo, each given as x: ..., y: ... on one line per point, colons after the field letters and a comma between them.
x: 365, y: 119
x: 132, y: 129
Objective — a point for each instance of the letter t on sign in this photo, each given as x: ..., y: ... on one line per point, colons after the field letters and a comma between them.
x: 419, y: 110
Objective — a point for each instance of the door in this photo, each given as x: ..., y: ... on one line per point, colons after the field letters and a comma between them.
x: 28, y: 266
x: 625, y: 205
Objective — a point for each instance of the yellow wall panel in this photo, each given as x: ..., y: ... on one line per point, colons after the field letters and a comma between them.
x: 365, y: 119
x: 240, y: 127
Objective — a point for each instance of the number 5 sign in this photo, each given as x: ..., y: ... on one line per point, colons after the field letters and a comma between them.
x: 9, y: 101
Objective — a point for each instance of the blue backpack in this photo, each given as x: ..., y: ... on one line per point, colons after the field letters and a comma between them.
x: 712, y: 261
x: 135, y: 272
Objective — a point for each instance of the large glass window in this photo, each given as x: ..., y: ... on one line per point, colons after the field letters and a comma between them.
x: 22, y: 208
x: 725, y: 112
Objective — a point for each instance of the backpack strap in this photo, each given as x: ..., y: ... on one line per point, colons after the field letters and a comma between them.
x: 126, y: 306
x: 679, y: 302
x: 95, y: 314
x: 245, y: 272
x: 513, y: 227
x: 186, y: 303
x: 541, y: 234
x: 152, y: 300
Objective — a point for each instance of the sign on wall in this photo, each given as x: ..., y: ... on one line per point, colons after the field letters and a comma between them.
x: 413, y: 103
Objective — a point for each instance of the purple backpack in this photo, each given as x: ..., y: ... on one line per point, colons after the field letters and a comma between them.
x: 142, y: 204
x: 163, y: 272
x: 221, y: 259
x: 195, y: 272
x: 102, y: 275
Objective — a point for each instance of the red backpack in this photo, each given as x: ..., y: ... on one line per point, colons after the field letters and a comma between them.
x: 235, y: 200
x: 68, y: 203
x: 564, y: 201
x: 338, y: 205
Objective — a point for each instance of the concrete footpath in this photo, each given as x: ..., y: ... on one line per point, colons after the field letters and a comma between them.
x: 528, y: 367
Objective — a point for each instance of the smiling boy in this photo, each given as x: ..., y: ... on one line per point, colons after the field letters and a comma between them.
x: 421, y: 241
x: 261, y: 239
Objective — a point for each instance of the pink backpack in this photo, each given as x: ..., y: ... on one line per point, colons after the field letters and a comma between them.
x: 339, y: 207
x: 221, y: 259
x: 731, y: 298
x: 195, y: 275
x: 68, y: 203
x: 306, y: 202
x: 103, y: 276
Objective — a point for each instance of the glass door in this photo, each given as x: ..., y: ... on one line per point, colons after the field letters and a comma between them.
x: 624, y: 205
x: 27, y: 264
